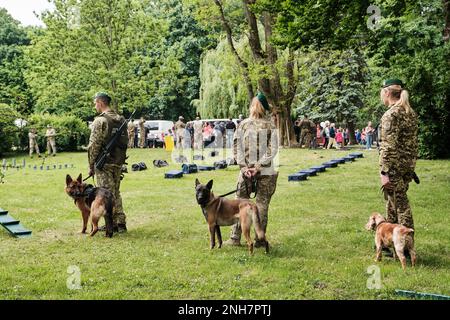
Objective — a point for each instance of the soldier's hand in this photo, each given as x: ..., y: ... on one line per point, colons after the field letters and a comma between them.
x: 250, y: 172
x: 385, y: 182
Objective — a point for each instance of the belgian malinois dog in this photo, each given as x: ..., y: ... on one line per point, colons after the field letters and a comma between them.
x: 220, y: 211
x: 92, y: 201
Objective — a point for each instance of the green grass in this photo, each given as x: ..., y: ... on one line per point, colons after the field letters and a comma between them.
x: 319, y: 248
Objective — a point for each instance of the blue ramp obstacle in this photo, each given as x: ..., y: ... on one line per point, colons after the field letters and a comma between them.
x: 13, y: 226
x: 330, y: 164
x: 357, y: 154
x: 319, y: 168
x: 297, y: 177
x: 308, y: 172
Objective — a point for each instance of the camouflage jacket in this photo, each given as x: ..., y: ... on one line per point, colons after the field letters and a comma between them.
x: 51, y: 133
x: 99, y: 136
x: 180, y: 125
x: 399, y: 145
x: 255, y: 145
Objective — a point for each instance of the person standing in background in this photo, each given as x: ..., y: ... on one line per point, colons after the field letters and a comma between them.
x: 51, y: 140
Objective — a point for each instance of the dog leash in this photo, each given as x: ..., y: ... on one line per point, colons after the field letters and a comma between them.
x: 90, y: 176
x: 254, y: 183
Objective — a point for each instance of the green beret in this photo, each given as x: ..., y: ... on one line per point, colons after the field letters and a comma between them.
x: 391, y: 82
x: 262, y: 98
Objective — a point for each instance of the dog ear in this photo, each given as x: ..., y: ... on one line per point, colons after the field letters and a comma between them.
x: 209, y: 185
x: 197, y: 182
x: 80, y: 179
x: 68, y: 179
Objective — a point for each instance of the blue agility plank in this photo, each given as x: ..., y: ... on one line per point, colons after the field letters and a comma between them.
x: 357, y: 154
x: 297, y: 177
x: 206, y: 168
x: 339, y: 160
x: 13, y: 226
x: 349, y: 159
x: 309, y: 172
x: 174, y: 174
x: 330, y: 164
x: 319, y: 168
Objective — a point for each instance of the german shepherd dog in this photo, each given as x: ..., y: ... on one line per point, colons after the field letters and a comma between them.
x: 220, y: 211
x: 94, y: 202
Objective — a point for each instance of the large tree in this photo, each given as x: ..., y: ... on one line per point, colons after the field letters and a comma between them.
x: 13, y: 88
x: 95, y: 45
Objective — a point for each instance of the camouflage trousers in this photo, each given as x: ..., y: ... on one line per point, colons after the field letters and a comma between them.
x: 109, y: 178
x: 142, y: 140
x: 198, y: 140
x: 51, y: 146
x: 33, y: 146
x: 266, y: 186
x: 397, y: 204
x: 305, y: 138
x: 131, y: 140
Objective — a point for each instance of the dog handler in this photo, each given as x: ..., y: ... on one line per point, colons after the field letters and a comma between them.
x: 103, y: 129
x: 398, y: 151
x: 255, y: 145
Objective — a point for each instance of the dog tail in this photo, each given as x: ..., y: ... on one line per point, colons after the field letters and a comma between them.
x: 109, y: 222
x: 256, y: 217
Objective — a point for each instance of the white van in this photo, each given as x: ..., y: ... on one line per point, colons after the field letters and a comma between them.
x: 158, y: 129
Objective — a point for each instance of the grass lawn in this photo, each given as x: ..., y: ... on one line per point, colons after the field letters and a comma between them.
x: 319, y: 247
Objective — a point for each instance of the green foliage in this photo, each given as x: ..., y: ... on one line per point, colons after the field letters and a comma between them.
x: 13, y: 89
x: 409, y: 45
x: 8, y: 131
x: 92, y: 46
x: 334, y: 85
x: 72, y: 133
x: 178, y: 82
x: 336, y: 24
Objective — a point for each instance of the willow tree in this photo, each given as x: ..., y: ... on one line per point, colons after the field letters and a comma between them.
x: 262, y: 69
x: 222, y: 91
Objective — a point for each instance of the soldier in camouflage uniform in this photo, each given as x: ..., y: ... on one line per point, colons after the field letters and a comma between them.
x: 51, y: 140
x: 130, y: 131
x: 180, y: 126
x: 255, y: 145
x: 305, y: 132
x: 103, y: 128
x: 32, y: 139
x: 398, y: 151
x: 142, y: 133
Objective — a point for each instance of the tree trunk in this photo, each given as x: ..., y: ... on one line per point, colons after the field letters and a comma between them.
x: 241, y: 62
x: 351, y: 133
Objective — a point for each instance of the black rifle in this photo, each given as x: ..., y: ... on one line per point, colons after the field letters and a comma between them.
x: 102, y: 157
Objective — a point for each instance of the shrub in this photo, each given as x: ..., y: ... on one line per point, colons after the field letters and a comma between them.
x: 72, y: 133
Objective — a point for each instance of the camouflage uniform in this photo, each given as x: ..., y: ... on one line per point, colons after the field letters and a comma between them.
x: 180, y: 126
x: 130, y: 130
x: 255, y: 145
x: 305, y: 133
x: 109, y: 176
x: 198, y: 134
x: 51, y: 142
x: 398, y: 154
x: 142, y: 133
x: 32, y: 136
